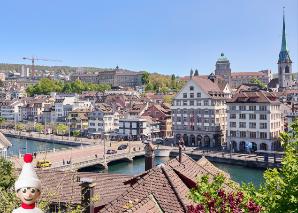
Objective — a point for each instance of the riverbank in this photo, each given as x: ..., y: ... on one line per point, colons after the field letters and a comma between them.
x: 239, y: 159
x: 46, y: 138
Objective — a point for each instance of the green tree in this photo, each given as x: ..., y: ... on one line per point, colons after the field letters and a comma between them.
x: 279, y: 193
x: 168, y: 99
x: 61, y: 129
x: 39, y: 128
x: 2, y: 120
x: 76, y: 133
x: 258, y: 82
x: 211, y: 195
x: 20, y: 127
x: 7, y: 174
x: 145, y: 78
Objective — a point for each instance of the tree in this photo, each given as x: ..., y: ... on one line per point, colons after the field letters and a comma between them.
x: 61, y: 129
x: 6, y: 173
x: 145, y: 78
x: 2, y: 120
x: 279, y: 193
x: 211, y: 196
x: 20, y: 127
x: 39, y: 128
x: 168, y: 99
x: 258, y: 82
x: 76, y: 133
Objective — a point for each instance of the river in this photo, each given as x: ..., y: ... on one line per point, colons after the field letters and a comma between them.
x: 238, y: 173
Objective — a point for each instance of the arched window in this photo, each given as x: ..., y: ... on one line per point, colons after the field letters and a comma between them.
x: 287, y: 70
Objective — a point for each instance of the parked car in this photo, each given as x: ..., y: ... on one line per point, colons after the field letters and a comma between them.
x: 111, y: 151
x: 122, y: 147
x: 43, y: 164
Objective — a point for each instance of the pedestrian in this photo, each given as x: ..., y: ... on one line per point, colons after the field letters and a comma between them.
x: 95, y: 155
x: 63, y: 162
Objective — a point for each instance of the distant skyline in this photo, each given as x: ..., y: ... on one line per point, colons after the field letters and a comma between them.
x: 168, y: 36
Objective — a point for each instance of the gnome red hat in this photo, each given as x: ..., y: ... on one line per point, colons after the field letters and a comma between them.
x: 28, y: 177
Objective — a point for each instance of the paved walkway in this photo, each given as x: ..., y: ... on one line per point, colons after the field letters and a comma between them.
x: 78, y: 140
x: 76, y: 155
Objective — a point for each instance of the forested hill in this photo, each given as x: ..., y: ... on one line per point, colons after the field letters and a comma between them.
x: 65, y: 69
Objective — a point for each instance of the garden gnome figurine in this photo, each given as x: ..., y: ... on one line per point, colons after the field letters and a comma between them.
x: 28, y: 187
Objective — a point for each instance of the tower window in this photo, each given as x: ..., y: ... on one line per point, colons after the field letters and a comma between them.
x: 287, y: 70
x: 280, y: 71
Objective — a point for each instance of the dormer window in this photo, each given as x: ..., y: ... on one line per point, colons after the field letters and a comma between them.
x: 191, y: 88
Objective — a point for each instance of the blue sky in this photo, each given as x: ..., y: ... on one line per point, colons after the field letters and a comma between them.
x: 166, y: 36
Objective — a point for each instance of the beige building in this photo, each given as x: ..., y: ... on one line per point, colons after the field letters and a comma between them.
x: 235, y: 79
x: 115, y: 77
x: 255, y: 120
x: 199, y: 113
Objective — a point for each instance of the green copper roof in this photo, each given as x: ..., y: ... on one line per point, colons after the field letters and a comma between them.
x: 284, y: 54
x: 222, y: 58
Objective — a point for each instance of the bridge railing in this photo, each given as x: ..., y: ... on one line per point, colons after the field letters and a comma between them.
x: 102, y: 160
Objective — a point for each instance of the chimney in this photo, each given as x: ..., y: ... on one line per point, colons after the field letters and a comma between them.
x: 87, y: 192
x: 149, y: 156
x: 181, y: 144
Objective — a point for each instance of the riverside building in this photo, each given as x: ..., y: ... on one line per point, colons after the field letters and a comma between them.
x: 255, y: 118
x: 199, y: 113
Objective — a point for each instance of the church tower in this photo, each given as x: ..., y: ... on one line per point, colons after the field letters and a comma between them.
x: 284, y: 61
x: 222, y: 68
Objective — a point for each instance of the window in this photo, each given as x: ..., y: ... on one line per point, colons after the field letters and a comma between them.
x: 191, y: 88
x: 252, y: 125
x: 198, y: 103
x: 191, y: 95
x: 206, y: 103
x: 242, y: 116
x: 206, y: 112
x: 242, y: 134
x: 263, y: 135
x: 263, y: 108
x: 184, y: 103
x: 232, y: 107
x: 198, y: 95
x: 178, y: 119
x: 232, y: 124
x: 263, y: 117
x: 184, y: 95
x: 263, y: 125
x: 191, y: 103
x: 233, y: 133
x: 206, y: 120
x: 242, y: 125
x: 232, y: 116
x: 252, y: 108
x: 252, y: 135
x: 92, y: 124
x: 252, y: 116
x: 242, y: 108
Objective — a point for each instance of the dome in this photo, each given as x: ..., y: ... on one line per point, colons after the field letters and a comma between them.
x: 222, y: 57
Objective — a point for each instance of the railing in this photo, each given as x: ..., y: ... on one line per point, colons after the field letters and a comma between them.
x: 102, y: 160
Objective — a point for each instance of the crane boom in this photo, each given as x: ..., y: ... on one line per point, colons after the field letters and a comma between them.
x: 33, y: 59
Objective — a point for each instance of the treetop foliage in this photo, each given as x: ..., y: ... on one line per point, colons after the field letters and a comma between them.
x: 45, y: 86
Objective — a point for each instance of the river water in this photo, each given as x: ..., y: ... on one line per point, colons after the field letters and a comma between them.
x: 22, y: 146
x: 238, y: 173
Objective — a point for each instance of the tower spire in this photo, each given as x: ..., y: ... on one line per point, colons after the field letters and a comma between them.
x: 284, y: 55
x: 284, y: 40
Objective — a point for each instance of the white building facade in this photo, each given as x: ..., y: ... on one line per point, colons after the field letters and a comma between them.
x: 199, y: 113
x: 254, y: 122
